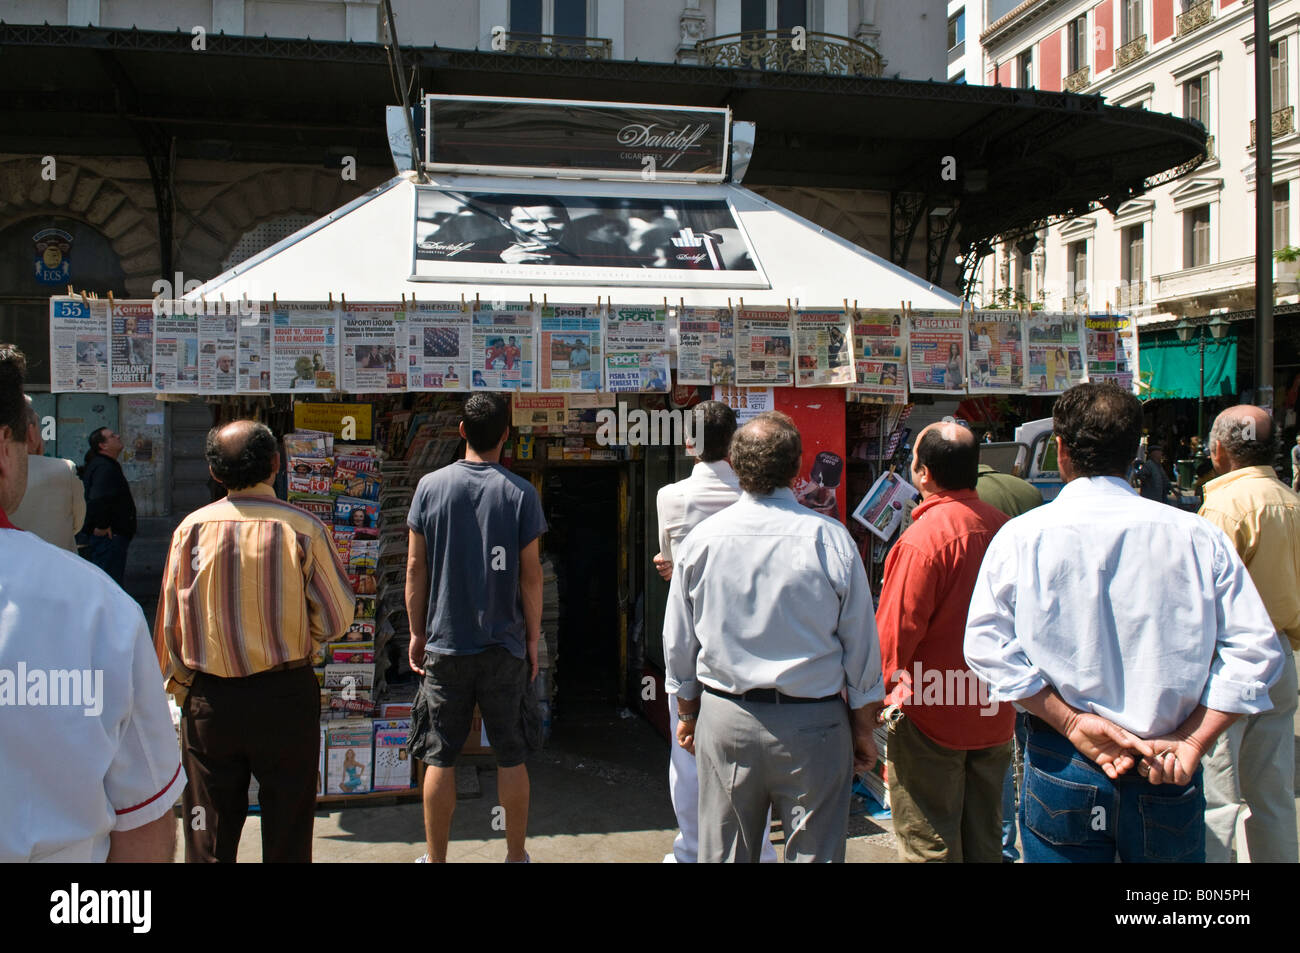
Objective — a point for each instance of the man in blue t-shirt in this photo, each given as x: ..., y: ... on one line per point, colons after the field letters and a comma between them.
x: 474, y: 597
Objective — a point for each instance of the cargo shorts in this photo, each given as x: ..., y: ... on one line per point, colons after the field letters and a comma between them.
x: 443, y: 712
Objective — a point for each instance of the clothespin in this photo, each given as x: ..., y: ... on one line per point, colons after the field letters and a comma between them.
x: 403, y: 299
x: 665, y: 304
x: 344, y: 299
x: 855, y: 304
x: 544, y: 299
x: 846, y: 305
x: 71, y: 293
x: 787, y: 305
x: 110, y: 299
x: 477, y: 303
x: 331, y: 294
x: 530, y: 300
x: 274, y: 302
x: 728, y: 304
x: 742, y: 302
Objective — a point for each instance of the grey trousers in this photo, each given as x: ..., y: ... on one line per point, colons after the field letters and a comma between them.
x: 797, y: 759
x: 1252, y: 765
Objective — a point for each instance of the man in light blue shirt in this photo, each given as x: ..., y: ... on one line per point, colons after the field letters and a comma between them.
x: 769, y: 619
x: 1131, y: 633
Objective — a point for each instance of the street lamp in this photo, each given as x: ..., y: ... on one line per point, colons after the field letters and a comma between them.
x: 1218, y: 328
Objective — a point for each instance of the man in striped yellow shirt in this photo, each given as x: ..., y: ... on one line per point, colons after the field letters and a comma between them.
x: 252, y: 586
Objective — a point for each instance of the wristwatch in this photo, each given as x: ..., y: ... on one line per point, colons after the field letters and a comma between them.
x: 681, y: 716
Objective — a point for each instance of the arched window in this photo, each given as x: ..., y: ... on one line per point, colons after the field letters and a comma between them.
x: 263, y: 236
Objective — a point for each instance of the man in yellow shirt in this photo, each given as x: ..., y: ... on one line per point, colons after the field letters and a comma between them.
x: 1253, y: 763
x: 253, y: 585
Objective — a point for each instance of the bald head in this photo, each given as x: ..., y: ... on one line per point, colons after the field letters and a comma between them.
x: 766, y: 453
x: 946, y: 457
x: 1242, y: 436
x: 242, y: 454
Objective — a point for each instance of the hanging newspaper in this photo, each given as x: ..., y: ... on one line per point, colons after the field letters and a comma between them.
x: 130, y: 346
x: 996, y: 353
x: 439, y: 347
x: 706, y: 349
x: 878, y: 345
x: 175, y: 350
x: 254, y: 351
x: 78, y: 345
x: 1055, y: 352
x: 570, y: 353
x: 936, y: 342
x: 1112, y: 343
x: 886, y: 503
x: 636, y: 350
x: 824, y: 343
x: 218, y: 345
x: 304, y: 347
x: 763, y: 347
x: 372, y: 335
x: 747, y: 402
x: 502, y: 344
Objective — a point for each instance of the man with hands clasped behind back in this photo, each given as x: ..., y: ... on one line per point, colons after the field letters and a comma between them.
x: 1126, y: 692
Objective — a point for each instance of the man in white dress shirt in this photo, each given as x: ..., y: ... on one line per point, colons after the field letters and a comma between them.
x: 769, y: 619
x: 54, y: 506
x: 92, y: 764
x: 1131, y: 633
x: 712, y: 486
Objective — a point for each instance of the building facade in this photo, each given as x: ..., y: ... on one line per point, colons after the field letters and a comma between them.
x: 1185, y: 248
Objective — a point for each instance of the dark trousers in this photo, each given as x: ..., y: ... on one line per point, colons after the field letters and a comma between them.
x: 267, y: 725
x: 109, y: 555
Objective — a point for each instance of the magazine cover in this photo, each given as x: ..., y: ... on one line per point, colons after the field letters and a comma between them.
x: 350, y: 511
x: 310, y: 475
x: 321, y: 507
x: 348, y: 756
x: 361, y: 630
x: 392, y: 756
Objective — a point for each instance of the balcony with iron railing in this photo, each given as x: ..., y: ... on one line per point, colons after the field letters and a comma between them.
x: 1283, y: 123
x: 564, y: 47
x: 1195, y: 17
x: 1131, y: 52
x: 781, y: 52
x: 1078, y: 80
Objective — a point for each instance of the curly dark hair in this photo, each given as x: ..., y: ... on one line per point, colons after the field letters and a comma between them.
x: 241, y: 453
x: 1240, y: 438
x: 1100, y: 426
x: 13, y: 405
x: 486, y: 415
x: 766, y: 452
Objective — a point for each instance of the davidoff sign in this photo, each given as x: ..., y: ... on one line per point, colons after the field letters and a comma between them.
x: 575, y: 139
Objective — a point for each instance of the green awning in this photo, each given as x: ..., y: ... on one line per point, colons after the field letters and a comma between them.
x: 1171, y: 368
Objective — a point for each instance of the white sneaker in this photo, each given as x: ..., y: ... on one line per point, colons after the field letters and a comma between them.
x: 422, y: 859
x: 526, y: 860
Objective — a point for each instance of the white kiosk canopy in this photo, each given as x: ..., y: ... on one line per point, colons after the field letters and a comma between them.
x: 395, y: 242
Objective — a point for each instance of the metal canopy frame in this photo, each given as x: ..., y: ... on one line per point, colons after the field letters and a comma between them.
x: 1024, y: 157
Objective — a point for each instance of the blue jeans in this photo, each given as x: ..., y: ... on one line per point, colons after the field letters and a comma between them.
x: 109, y: 555
x: 1070, y: 812
x: 1009, y: 852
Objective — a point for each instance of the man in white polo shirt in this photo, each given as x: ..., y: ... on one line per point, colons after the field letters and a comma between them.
x: 92, y: 764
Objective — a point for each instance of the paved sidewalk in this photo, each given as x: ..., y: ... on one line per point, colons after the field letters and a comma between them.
x: 599, y: 794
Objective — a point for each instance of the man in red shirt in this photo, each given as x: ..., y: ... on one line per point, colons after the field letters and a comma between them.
x: 949, y: 744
